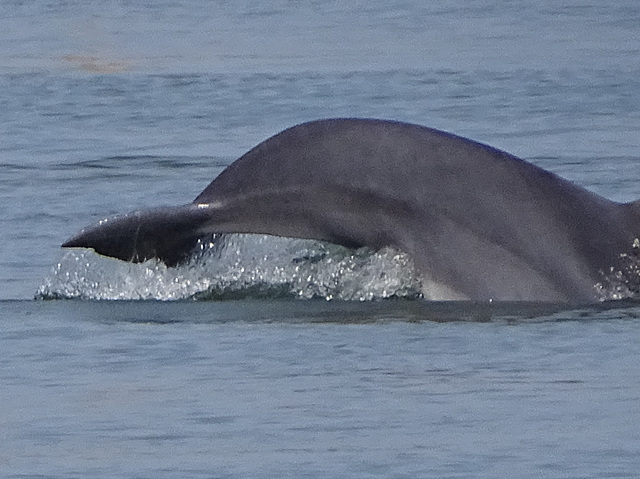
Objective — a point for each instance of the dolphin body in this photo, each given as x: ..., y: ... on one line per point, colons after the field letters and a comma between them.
x: 479, y: 223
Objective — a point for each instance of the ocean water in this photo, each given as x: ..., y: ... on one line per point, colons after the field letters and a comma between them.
x: 298, y: 360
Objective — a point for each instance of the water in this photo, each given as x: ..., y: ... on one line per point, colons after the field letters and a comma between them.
x: 108, y: 107
x: 198, y: 390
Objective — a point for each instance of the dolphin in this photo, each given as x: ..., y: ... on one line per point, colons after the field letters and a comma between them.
x: 479, y: 223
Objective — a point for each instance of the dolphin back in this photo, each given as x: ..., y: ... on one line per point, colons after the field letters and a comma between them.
x: 481, y: 221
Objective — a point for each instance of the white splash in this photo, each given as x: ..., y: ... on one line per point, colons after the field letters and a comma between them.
x: 240, y: 266
x: 622, y: 283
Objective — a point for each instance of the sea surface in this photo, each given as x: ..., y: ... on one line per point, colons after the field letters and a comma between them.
x: 279, y: 358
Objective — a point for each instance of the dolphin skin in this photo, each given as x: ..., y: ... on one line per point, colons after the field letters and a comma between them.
x: 479, y: 223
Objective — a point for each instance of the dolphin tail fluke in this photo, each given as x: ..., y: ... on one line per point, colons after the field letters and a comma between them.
x: 168, y: 234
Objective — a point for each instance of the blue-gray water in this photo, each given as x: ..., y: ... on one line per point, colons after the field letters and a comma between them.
x: 110, y: 106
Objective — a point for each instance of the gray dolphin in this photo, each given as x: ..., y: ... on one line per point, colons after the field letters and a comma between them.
x: 479, y: 223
